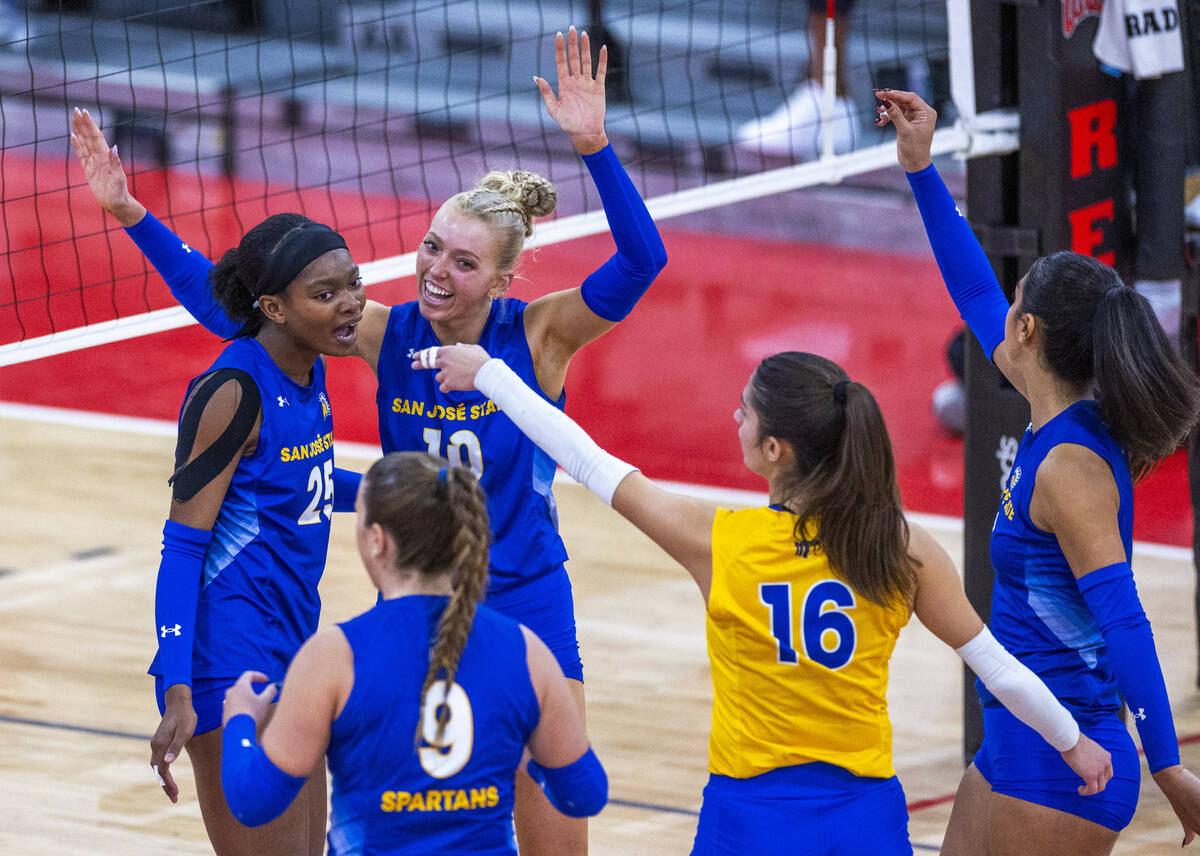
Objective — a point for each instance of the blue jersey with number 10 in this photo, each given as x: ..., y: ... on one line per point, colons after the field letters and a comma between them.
x: 258, y: 596
x: 467, y: 428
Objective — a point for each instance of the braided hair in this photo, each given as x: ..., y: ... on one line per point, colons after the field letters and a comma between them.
x: 437, y: 515
x: 233, y: 281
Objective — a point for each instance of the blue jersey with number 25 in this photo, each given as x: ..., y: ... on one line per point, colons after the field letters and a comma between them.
x: 258, y: 595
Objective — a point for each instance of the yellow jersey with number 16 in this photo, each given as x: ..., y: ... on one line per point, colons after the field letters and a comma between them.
x: 799, y: 660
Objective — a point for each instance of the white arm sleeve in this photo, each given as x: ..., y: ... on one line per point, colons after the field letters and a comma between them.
x: 1020, y: 690
x: 555, y: 432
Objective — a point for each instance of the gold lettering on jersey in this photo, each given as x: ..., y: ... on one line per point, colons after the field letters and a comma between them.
x: 453, y: 413
x: 1006, y: 503
x: 448, y: 799
x: 323, y: 443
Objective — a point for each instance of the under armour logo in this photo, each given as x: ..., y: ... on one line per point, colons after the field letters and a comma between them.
x: 165, y: 630
x: 412, y: 353
x: 186, y: 248
x: 283, y: 402
x: 1141, y: 714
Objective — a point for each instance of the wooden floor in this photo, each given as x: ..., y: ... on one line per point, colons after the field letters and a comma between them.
x: 82, y: 511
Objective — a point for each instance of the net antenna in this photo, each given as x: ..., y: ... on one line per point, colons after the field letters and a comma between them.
x: 972, y: 135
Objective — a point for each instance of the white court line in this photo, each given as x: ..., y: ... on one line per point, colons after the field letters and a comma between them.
x: 368, y: 452
x: 135, y: 425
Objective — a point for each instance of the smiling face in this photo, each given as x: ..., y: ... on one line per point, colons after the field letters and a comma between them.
x: 457, y: 277
x: 322, y: 306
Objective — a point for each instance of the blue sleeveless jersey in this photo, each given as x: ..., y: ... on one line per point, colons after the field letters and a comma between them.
x: 390, y: 797
x: 1037, y: 611
x: 414, y: 415
x: 258, y: 597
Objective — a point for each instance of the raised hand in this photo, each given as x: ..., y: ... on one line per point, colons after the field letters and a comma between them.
x: 579, y: 106
x: 174, y: 731
x: 102, y: 167
x: 915, y: 122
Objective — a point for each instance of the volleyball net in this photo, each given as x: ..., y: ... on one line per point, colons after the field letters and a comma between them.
x: 367, y: 115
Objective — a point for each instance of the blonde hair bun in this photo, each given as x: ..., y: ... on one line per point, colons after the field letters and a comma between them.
x: 534, y: 194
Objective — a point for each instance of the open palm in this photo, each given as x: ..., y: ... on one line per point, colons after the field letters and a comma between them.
x: 102, y: 168
x: 579, y: 106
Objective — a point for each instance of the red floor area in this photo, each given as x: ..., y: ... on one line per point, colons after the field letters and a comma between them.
x: 659, y: 390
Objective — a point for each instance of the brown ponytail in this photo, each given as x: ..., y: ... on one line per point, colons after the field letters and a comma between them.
x: 844, y: 482
x: 1099, y: 331
x: 437, y: 515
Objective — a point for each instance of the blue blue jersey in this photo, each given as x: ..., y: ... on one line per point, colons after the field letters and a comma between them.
x: 390, y: 797
x: 258, y: 597
x: 414, y: 415
x: 1038, y: 612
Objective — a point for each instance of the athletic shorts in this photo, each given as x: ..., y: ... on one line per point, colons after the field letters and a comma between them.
x: 208, y: 698
x: 546, y: 607
x: 806, y: 810
x: 1017, y: 762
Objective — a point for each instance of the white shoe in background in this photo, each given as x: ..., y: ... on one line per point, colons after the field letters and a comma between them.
x: 950, y: 405
x: 794, y: 128
x: 14, y: 34
x: 1166, y: 300
x: 1192, y: 213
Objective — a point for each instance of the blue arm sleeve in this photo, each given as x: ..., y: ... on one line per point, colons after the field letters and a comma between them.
x: 577, y: 790
x: 257, y: 791
x: 965, y: 269
x: 345, y: 488
x: 186, y: 273
x: 1112, y: 597
x: 175, y: 598
x: 615, y: 288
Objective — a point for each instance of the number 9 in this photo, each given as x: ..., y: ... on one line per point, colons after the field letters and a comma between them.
x: 442, y: 759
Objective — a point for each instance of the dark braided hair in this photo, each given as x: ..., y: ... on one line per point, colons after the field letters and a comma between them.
x: 437, y: 515
x: 234, y: 279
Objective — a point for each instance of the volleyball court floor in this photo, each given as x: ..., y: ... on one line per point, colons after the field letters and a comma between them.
x: 86, y: 496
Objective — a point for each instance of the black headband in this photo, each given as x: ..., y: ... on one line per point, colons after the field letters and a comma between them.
x: 298, y: 249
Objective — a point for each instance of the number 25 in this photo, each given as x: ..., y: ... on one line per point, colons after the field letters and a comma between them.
x: 321, y: 488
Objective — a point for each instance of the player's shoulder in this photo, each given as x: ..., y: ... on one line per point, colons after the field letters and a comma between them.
x: 222, y: 395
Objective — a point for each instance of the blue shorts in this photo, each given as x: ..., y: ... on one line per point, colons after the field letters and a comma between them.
x: 208, y: 699
x: 1017, y: 762
x: 806, y: 810
x: 546, y: 607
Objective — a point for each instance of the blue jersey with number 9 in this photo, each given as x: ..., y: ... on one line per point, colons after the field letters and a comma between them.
x: 467, y: 428
x: 799, y: 661
x: 397, y: 794
x: 258, y: 596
